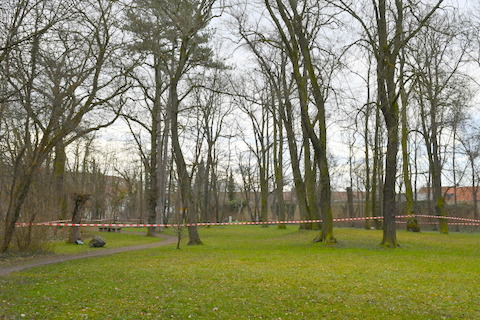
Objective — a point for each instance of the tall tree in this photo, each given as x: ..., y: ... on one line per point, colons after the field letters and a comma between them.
x: 274, y: 67
x: 278, y: 142
x: 386, y: 35
x: 257, y: 110
x: 298, y: 22
x: 212, y: 116
x: 172, y: 32
x: 412, y: 224
x: 438, y: 53
x: 146, y: 21
x: 186, y: 41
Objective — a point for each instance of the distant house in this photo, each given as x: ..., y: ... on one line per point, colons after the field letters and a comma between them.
x: 342, y: 196
x: 452, y: 194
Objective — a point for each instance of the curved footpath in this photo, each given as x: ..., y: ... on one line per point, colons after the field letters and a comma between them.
x: 167, y: 239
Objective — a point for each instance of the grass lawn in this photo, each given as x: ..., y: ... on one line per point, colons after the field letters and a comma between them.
x: 249, y: 272
x: 113, y: 240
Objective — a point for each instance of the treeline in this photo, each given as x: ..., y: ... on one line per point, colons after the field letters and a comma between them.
x: 394, y: 78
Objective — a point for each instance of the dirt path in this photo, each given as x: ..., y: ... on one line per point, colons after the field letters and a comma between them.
x: 101, y: 252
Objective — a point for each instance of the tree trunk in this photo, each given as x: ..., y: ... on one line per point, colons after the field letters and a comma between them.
x: 286, y: 115
x: 435, y: 166
x: 387, y: 94
x: 59, y: 178
x: 389, y: 203
x: 310, y: 186
x: 351, y: 208
x: 437, y: 190
x: 78, y: 200
x: 207, y: 184
x: 390, y: 110
x: 162, y: 165
x: 184, y: 181
x: 215, y: 215
x: 376, y: 160
x: 153, y: 181
x: 278, y: 168
x: 20, y: 187
x: 437, y: 175
x: 474, y: 189
x: 263, y: 191
x: 296, y: 44
x: 412, y: 224
x: 155, y: 152
x: 19, y: 194
x: 368, y: 211
x: 319, y: 143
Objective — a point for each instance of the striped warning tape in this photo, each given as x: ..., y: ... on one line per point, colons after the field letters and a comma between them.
x: 450, y: 223
x: 91, y: 221
x: 442, y: 217
x: 64, y: 223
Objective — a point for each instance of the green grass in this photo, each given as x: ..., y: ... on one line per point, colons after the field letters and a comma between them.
x: 249, y: 272
x: 112, y: 239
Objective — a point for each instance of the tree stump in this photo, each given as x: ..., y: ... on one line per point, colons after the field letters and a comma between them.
x: 79, y: 201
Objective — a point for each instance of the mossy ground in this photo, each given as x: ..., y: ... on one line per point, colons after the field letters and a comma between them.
x: 249, y: 272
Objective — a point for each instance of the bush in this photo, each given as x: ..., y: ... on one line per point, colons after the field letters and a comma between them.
x: 31, y: 239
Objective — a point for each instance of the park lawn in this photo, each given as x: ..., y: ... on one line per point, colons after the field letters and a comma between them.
x: 128, y: 237
x: 59, y: 246
x: 249, y: 272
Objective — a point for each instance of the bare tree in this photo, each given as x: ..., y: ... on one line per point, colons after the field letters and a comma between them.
x: 186, y: 42
x: 68, y: 82
x: 412, y: 223
x: 386, y: 35
x: 438, y: 52
x: 18, y: 27
x: 248, y: 173
x: 298, y: 24
x: 257, y: 108
x: 470, y: 142
x: 273, y: 61
x: 278, y: 166
x: 209, y: 98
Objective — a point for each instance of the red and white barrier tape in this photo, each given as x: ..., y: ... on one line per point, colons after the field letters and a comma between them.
x: 121, y: 225
x: 64, y: 223
x: 449, y: 218
x: 91, y: 221
x: 450, y: 223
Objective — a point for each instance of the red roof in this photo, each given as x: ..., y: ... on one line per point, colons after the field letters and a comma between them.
x: 462, y: 194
